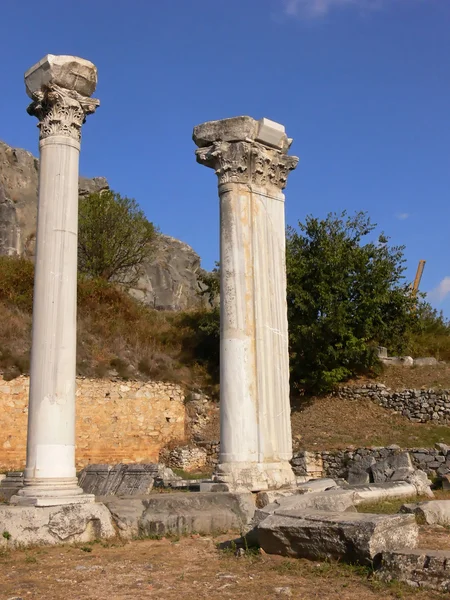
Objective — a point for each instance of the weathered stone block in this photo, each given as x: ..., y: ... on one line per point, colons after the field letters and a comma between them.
x: 137, y: 479
x: 385, y: 469
x: 164, y: 514
x: 31, y: 526
x: 340, y: 536
x: 418, y: 568
x: 359, y: 472
x: 433, y: 512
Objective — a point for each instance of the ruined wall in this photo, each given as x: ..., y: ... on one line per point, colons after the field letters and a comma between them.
x: 337, y: 463
x: 116, y: 421
x: 418, y: 406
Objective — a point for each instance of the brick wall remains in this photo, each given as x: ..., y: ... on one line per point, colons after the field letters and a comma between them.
x: 116, y: 421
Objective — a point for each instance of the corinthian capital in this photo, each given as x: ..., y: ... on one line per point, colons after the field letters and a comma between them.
x: 242, y: 150
x: 60, y: 87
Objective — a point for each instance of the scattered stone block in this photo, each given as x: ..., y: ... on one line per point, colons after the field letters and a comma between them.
x: 10, y: 484
x: 137, y: 479
x: 381, y: 491
x: 385, y: 469
x: 434, y: 512
x: 165, y: 514
x: 418, y: 568
x: 73, y: 523
x: 419, y: 479
x: 427, y: 361
x: 316, y: 485
x: 335, y: 500
x: 398, y: 361
x: 359, y: 471
x: 352, y: 537
x: 127, y: 479
x: 101, y: 479
x: 265, y: 498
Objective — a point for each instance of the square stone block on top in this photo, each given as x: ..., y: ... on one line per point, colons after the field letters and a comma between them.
x: 69, y: 72
x: 242, y: 128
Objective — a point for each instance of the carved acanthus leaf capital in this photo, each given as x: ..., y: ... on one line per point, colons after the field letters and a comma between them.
x: 248, y: 163
x: 61, y: 111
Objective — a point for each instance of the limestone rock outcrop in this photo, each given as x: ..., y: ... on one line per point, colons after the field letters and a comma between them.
x: 170, y: 279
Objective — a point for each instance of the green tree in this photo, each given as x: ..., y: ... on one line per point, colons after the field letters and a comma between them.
x: 114, y: 237
x: 345, y: 295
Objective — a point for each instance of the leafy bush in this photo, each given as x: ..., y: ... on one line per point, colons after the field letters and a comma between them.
x: 114, y: 237
x: 344, y: 298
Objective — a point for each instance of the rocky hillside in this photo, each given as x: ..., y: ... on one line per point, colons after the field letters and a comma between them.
x: 170, y: 279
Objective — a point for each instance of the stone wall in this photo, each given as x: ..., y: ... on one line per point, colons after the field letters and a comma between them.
x: 418, y: 406
x: 337, y: 463
x: 116, y: 421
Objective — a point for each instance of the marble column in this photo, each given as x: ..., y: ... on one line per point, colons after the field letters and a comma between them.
x: 60, y: 87
x: 251, y: 161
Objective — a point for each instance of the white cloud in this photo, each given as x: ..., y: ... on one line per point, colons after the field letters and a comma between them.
x: 402, y: 216
x: 319, y: 8
x: 440, y: 292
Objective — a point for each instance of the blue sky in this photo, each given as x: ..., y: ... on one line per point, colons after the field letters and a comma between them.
x: 363, y: 87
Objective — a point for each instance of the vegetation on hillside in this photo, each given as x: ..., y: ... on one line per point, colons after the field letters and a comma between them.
x: 345, y: 296
x: 117, y: 336
x: 114, y: 237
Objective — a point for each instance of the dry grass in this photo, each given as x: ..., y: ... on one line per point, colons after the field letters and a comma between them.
x: 398, y: 378
x: 188, y: 568
x: 336, y: 423
x: 117, y: 336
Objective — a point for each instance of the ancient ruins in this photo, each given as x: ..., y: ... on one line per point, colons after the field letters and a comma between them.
x: 61, y: 89
x: 252, y: 165
x: 304, y: 506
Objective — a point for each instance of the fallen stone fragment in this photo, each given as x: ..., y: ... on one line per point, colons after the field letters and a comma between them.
x: 418, y: 568
x: 265, y: 498
x: 434, y: 512
x: 181, y: 514
x: 316, y: 485
x: 335, y: 500
x: 383, y: 470
x: 32, y: 526
x: 359, y: 471
x: 10, y: 484
x: 419, y: 479
x: 427, y: 361
x: 352, y: 537
x: 381, y: 491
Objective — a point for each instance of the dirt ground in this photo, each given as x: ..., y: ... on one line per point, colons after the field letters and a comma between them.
x: 330, y: 423
x: 399, y: 378
x: 188, y: 568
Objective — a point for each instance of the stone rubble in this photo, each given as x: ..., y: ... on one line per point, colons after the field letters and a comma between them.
x: 419, y: 568
x: 434, y: 512
x: 360, y: 462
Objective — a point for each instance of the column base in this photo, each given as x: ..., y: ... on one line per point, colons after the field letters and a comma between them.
x: 255, y: 477
x: 44, y: 492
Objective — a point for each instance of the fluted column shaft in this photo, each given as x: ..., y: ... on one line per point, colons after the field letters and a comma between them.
x: 50, y: 476
x: 256, y: 443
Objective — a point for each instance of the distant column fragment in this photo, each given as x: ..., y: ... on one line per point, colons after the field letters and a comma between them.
x: 251, y: 161
x: 60, y: 87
